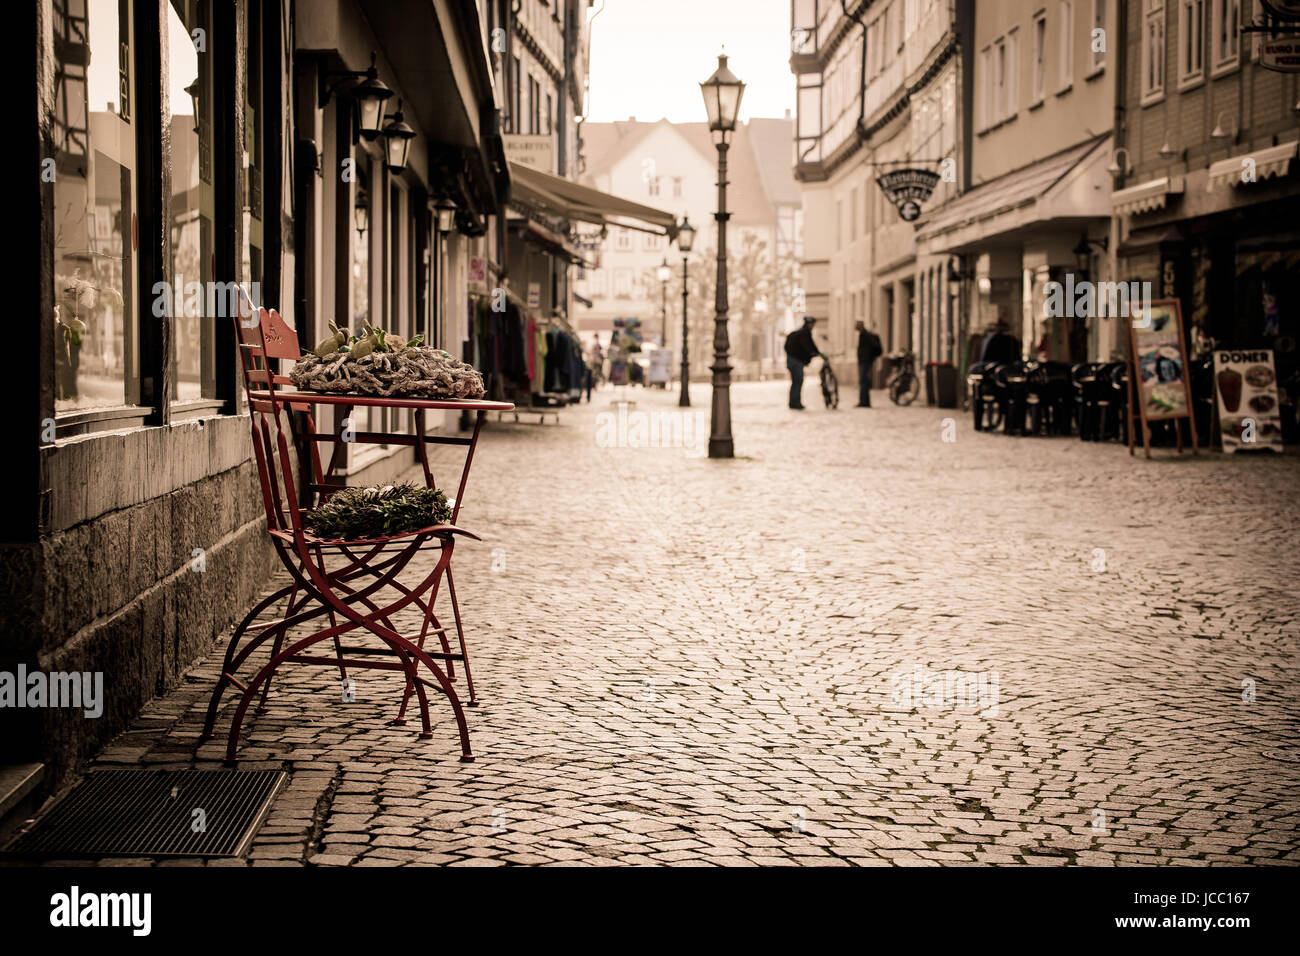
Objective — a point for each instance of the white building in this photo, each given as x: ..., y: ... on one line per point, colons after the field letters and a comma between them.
x: 673, y: 166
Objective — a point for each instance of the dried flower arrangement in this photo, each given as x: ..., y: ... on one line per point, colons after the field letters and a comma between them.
x: 378, y: 512
x: 377, y: 362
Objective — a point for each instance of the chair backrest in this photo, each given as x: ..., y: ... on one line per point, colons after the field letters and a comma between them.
x: 263, y: 337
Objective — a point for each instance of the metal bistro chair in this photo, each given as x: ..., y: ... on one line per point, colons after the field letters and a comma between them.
x: 343, y: 580
x: 281, y: 342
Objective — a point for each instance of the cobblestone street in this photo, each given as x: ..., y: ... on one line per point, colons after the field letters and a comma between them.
x: 855, y: 644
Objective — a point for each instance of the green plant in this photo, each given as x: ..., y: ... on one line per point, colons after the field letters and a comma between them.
x: 378, y: 511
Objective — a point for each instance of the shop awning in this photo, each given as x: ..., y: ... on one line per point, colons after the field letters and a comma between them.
x: 550, y: 241
x: 1264, y: 163
x: 1069, y: 185
x: 575, y: 202
x: 1146, y: 197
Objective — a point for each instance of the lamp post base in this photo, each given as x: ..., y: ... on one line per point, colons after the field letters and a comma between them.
x: 722, y: 448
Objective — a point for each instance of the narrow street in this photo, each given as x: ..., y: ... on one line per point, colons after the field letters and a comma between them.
x: 856, y: 643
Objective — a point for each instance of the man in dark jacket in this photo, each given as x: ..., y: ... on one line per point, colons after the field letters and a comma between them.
x: 1000, y: 347
x: 800, y: 349
x: 869, y: 349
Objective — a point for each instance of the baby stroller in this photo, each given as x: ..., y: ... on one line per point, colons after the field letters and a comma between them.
x: 830, y: 385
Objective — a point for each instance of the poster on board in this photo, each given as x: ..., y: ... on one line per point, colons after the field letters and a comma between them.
x: 1245, y: 383
x: 1159, y: 375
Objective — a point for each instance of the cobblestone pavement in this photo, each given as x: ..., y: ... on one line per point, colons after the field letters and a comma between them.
x: 854, y: 644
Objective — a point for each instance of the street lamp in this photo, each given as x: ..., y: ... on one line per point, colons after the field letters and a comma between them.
x: 722, y: 92
x: 685, y: 239
x: 664, y: 275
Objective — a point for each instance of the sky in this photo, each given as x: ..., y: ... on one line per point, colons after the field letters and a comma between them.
x: 648, y: 57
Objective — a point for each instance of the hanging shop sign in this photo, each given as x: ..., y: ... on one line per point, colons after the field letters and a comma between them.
x: 1282, y: 9
x: 1281, y: 55
x: 534, y: 295
x: 1245, y: 382
x: 907, y: 189
x: 1158, y: 376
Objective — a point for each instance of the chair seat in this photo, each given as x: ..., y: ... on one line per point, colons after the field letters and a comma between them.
x: 435, y: 530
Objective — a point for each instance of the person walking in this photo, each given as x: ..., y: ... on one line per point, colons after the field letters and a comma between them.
x: 800, y: 349
x: 869, y: 349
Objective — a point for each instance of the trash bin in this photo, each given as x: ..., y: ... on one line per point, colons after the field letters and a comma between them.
x: 941, y: 384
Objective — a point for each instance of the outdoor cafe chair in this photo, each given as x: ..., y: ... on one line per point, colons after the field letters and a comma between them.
x: 357, y: 585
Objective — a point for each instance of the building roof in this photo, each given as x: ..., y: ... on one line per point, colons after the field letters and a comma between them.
x: 760, y: 173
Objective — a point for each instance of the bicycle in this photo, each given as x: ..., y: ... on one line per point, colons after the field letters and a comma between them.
x: 830, y: 384
x: 905, y: 384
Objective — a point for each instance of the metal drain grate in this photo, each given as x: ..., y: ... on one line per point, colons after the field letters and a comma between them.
x: 155, y: 813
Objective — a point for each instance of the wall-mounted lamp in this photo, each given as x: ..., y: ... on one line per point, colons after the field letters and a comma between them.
x: 369, y: 95
x: 1220, y: 130
x: 1083, y: 251
x: 195, y: 94
x: 445, y: 215
x: 397, y: 137
x: 361, y: 211
x: 1120, y: 169
x: 1167, y: 150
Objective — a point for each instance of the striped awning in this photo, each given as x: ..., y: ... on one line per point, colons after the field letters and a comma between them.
x: 1250, y: 167
x: 1146, y: 197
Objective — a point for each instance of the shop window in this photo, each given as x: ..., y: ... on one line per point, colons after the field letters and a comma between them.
x: 194, y: 318
x: 255, y: 139
x: 96, y: 335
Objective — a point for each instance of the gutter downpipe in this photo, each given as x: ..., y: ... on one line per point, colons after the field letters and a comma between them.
x: 1118, y: 139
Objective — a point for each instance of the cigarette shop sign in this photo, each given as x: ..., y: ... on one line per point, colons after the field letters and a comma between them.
x: 907, y: 189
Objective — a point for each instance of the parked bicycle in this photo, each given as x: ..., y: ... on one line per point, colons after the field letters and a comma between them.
x: 905, y: 384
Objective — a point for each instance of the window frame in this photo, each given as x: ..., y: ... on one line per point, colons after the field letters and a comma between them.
x: 1153, y: 14
x: 1065, y: 47
x: 1097, y: 61
x: 1038, y: 80
x: 1221, y: 66
x: 1191, y: 25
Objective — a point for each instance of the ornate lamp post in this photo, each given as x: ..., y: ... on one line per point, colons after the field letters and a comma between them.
x: 664, y: 275
x: 685, y: 239
x: 722, y: 92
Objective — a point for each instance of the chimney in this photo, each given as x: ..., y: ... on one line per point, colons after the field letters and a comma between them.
x: 787, y: 113
x: 631, y: 119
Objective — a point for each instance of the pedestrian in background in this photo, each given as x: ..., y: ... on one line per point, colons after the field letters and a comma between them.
x: 800, y: 349
x: 1000, y: 346
x: 869, y: 349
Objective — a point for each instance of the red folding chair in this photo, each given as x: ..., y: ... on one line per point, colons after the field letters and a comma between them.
x: 344, y: 581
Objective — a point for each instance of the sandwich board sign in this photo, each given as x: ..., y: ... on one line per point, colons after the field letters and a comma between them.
x: 1159, y: 379
x: 1245, y: 383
